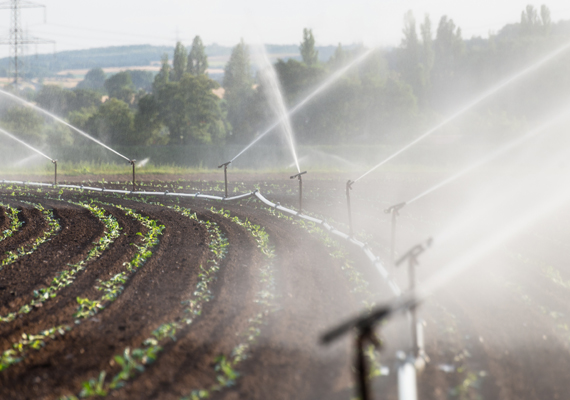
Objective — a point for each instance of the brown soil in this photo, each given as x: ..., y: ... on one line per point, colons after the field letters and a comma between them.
x: 502, y: 332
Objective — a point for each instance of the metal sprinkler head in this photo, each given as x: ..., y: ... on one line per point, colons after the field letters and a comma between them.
x: 414, y: 252
x: 298, y: 175
x: 225, y: 165
x: 395, y: 208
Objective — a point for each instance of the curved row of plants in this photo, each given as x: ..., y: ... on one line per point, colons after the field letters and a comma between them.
x: 226, y: 365
x: 14, y: 222
x: 66, y: 277
x: 133, y: 361
x: 24, y: 250
x: 86, y: 307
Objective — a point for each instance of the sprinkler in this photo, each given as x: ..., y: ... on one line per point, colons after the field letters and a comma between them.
x: 225, y: 165
x: 132, y: 162
x: 364, y: 328
x: 348, y: 189
x: 394, y: 210
x: 300, y: 189
x: 412, y: 257
x: 55, y: 177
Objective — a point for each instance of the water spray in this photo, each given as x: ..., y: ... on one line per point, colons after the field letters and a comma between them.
x: 333, y: 78
x: 364, y: 326
x: 489, y: 92
x: 225, y: 165
x: 132, y: 162
x: 300, y: 189
x: 348, y: 189
x: 412, y: 257
x: 395, y: 212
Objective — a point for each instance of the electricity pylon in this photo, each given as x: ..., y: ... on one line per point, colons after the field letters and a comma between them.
x: 17, y: 37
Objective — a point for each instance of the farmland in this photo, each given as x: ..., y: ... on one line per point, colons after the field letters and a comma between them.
x: 133, y: 296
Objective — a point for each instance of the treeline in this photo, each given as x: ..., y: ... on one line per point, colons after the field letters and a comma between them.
x: 386, y: 98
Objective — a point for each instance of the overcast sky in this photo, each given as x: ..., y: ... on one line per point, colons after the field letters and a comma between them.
x: 79, y: 24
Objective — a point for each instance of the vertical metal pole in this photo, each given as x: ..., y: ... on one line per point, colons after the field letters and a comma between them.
x: 55, y: 177
x: 361, y: 370
x: 133, y: 164
x: 348, y: 189
x: 226, y: 178
x: 413, y: 316
x: 300, y: 195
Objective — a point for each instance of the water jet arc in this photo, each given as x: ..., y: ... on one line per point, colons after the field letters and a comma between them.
x: 472, y: 104
x: 333, y: 78
x: 19, y: 99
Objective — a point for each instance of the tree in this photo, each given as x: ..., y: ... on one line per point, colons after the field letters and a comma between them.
x: 24, y: 123
x: 84, y: 98
x: 113, y: 124
x: 428, y: 55
x: 191, y: 110
x: 147, y: 119
x: 197, y: 59
x: 410, y: 62
x: 449, y: 49
x: 163, y: 76
x: 239, y: 93
x: 179, y: 62
x: 142, y: 79
x: 55, y: 99
x: 94, y: 80
x: 120, y: 86
x: 308, y: 53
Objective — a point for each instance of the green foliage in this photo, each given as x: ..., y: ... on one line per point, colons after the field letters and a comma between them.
x: 25, y: 123
x: 197, y: 63
x: 120, y: 86
x: 147, y: 123
x: 239, y: 94
x: 307, y: 49
x: 178, y: 62
x: 190, y: 110
x: 113, y: 123
x: 94, y: 80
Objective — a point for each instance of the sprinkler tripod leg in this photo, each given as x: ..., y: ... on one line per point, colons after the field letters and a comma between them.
x: 298, y: 176
x: 55, y: 176
x: 225, y: 165
x: 133, y: 164
x: 364, y: 335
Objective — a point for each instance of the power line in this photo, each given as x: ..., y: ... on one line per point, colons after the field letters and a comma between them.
x: 17, y: 38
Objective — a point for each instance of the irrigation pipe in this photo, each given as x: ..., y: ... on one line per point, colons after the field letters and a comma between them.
x: 363, y: 246
x: 407, y: 385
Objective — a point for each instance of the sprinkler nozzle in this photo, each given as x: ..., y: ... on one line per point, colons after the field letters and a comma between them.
x: 349, y: 184
x: 414, y: 252
x: 224, y: 164
x: 395, y: 208
x: 298, y: 175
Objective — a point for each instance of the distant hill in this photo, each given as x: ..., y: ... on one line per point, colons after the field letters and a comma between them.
x: 136, y: 55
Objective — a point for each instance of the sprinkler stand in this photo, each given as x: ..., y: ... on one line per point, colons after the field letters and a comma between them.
x: 55, y: 176
x: 348, y: 189
x: 364, y: 327
x: 412, y: 257
x: 300, y: 189
x: 225, y: 165
x: 133, y: 164
x: 395, y: 212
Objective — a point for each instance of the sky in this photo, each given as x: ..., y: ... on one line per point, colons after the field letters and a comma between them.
x: 80, y: 24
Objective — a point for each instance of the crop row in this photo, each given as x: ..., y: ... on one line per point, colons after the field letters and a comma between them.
x: 53, y: 228
x: 15, y: 222
x: 87, y: 307
x: 133, y: 361
x: 225, y: 367
x: 67, y: 276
